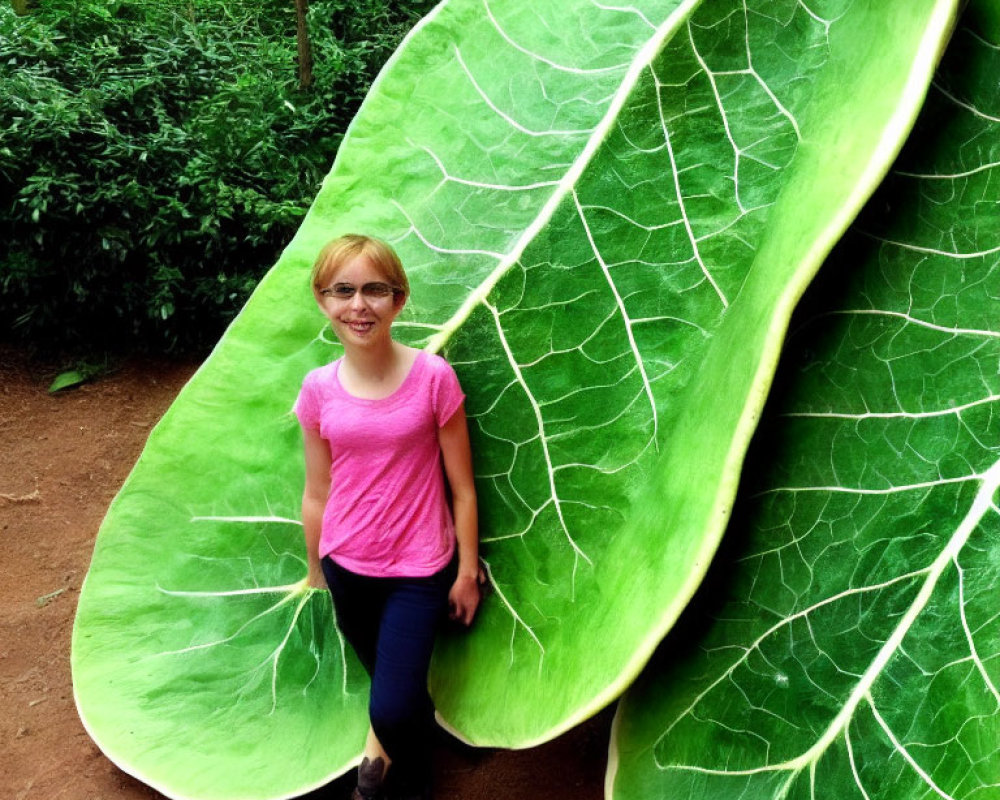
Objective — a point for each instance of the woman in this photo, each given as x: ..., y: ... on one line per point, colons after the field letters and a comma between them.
x: 378, y: 424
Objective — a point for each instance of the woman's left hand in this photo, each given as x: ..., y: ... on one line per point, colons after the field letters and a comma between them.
x: 463, y: 599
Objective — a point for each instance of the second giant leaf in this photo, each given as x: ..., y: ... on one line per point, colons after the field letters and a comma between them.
x: 853, y: 646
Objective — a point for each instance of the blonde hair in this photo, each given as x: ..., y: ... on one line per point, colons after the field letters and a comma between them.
x: 344, y: 248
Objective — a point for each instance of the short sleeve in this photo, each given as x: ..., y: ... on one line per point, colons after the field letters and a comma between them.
x: 448, y: 394
x: 307, y: 405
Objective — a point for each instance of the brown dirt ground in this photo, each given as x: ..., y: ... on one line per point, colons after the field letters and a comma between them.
x: 62, y: 459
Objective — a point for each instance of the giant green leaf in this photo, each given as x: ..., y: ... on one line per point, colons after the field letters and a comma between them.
x: 854, y: 650
x: 607, y: 213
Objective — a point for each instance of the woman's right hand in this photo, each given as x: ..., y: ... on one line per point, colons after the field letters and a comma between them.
x: 465, y: 596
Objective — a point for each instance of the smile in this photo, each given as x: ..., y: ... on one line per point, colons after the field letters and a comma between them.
x: 361, y: 326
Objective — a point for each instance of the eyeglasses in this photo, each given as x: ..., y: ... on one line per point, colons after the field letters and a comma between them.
x: 370, y: 291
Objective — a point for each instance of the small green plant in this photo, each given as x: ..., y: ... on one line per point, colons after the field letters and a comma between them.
x: 81, y: 372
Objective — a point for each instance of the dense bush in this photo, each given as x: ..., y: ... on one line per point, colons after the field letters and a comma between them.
x: 156, y: 156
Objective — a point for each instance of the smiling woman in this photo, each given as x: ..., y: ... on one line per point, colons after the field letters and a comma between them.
x: 380, y: 529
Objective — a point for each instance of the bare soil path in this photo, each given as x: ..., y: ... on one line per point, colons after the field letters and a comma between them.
x: 63, y: 457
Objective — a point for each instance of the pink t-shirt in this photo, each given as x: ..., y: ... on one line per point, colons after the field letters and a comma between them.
x: 387, y: 514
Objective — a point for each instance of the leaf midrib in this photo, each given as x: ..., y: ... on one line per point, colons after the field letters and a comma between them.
x: 565, y: 187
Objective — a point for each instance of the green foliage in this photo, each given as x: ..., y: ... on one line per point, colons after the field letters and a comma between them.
x: 158, y: 156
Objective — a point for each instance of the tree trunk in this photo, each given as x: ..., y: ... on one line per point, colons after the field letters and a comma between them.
x: 305, y: 49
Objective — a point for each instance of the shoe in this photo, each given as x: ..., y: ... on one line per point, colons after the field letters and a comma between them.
x: 370, y: 776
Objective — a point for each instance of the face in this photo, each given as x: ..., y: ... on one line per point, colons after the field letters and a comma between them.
x: 362, y: 317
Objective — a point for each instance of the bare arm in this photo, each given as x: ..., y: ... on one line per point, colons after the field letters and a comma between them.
x: 456, y: 451
x: 317, y: 490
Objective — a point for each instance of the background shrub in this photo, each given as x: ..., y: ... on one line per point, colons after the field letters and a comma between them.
x: 157, y: 156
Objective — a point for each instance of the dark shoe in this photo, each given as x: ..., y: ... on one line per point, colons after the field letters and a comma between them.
x: 370, y: 776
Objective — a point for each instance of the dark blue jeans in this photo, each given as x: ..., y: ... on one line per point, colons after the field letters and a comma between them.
x: 391, y: 623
